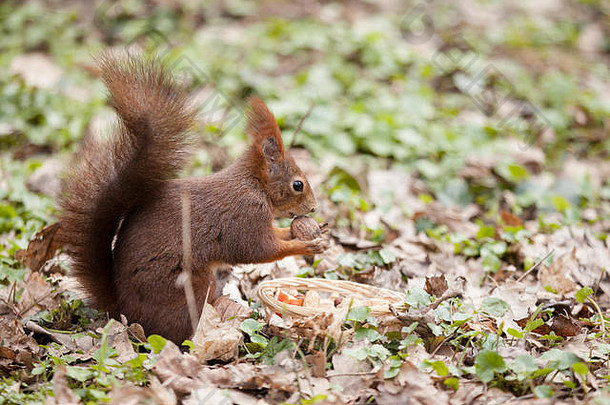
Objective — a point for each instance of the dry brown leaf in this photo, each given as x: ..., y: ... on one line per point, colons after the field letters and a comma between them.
x: 558, y: 275
x: 467, y: 393
x: 133, y: 395
x: 215, y: 339
x: 521, y: 301
x: 229, y: 309
x: 208, y: 394
x: 62, y: 394
x: 410, y: 386
x: 130, y: 394
x: 118, y: 338
x: 14, y: 336
x: 317, y: 363
x: 436, y: 285
x: 176, y: 370
x: 37, y: 295
x: 247, y: 376
x: 565, y: 326
x: 352, y: 375
x: 510, y: 219
x: 311, y: 328
x: 17, y: 348
x: 41, y: 248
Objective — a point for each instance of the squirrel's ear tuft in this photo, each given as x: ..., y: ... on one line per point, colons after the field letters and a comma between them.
x: 262, y: 127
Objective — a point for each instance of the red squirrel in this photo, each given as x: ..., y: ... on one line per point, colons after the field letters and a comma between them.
x: 121, y: 204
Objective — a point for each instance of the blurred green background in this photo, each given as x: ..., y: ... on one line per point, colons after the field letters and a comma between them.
x: 441, y: 89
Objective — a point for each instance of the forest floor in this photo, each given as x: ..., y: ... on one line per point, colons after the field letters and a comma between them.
x: 460, y: 155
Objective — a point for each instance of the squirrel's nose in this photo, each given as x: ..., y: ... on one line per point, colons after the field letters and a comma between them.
x: 313, y: 209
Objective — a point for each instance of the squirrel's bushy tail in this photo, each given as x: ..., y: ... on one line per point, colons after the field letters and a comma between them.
x: 109, y: 178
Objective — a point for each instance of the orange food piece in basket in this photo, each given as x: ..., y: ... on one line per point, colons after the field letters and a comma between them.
x: 289, y: 299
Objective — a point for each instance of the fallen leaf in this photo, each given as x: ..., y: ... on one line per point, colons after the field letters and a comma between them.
x: 410, y: 386
x: 37, y: 295
x: 62, y: 394
x: 510, y: 219
x: 558, y: 275
x: 229, y: 309
x: 215, y: 339
x: 18, y: 349
x: 176, y: 370
x: 436, y: 285
x: 247, y: 376
x: 41, y: 248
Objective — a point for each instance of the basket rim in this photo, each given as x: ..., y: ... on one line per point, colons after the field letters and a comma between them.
x: 376, y: 298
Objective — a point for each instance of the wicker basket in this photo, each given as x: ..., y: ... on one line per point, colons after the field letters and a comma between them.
x: 377, y: 299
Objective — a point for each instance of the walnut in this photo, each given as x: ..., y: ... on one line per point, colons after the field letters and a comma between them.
x: 305, y: 228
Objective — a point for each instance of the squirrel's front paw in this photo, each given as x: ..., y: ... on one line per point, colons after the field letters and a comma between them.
x: 315, y: 246
x: 324, y: 227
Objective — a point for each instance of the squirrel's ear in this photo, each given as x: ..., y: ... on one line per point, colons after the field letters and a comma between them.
x: 262, y: 128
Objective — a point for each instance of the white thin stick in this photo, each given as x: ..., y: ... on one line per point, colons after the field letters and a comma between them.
x: 187, y: 257
x: 538, y: 263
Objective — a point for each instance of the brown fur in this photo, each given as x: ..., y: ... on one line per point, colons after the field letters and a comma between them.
x: 124, y: 192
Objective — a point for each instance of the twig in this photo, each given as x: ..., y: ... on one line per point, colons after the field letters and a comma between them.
x: 353, y: 374
x: 601, y: 316
x: 599, y: 281
x: 436, y: 349
x: 187, y: 257
x: 538, y: 263
x: 300, y: 124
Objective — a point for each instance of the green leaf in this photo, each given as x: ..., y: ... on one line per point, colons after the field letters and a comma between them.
x: 360, y: 353
x: 486, y: 232
x: 604, y: 348
x: 491, y: 263
x: 452, y: 383
x: 543, y: 391
x: 379, y: 352
x: 81, y: 374
x: 494, y: 306
x: 391, y: 372
x: 367, y: 333
x: 259, y: 339
x: 533, y: 324
x: 250, y: 326
x: 518, y: 173
x: 487, y: 364
x: 387, y: 256
x: 439, y: 366
x: 274, y: 347
x: 137, y: 362
x: 358, y: 314
x: 560, y: 360
x: 497, y: 247
x: 189, y: 344
x: 157, y: 343
x: 316, y: 399
x: 583, y: 294
x: 580, y: 368
x: 515, y: 333
x: 523, y: 366
x: 560, y: 203
x: 418, y: 297
x: 513, y: 172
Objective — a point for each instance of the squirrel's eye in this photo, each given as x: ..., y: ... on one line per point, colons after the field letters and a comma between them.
x: 297, y: 185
